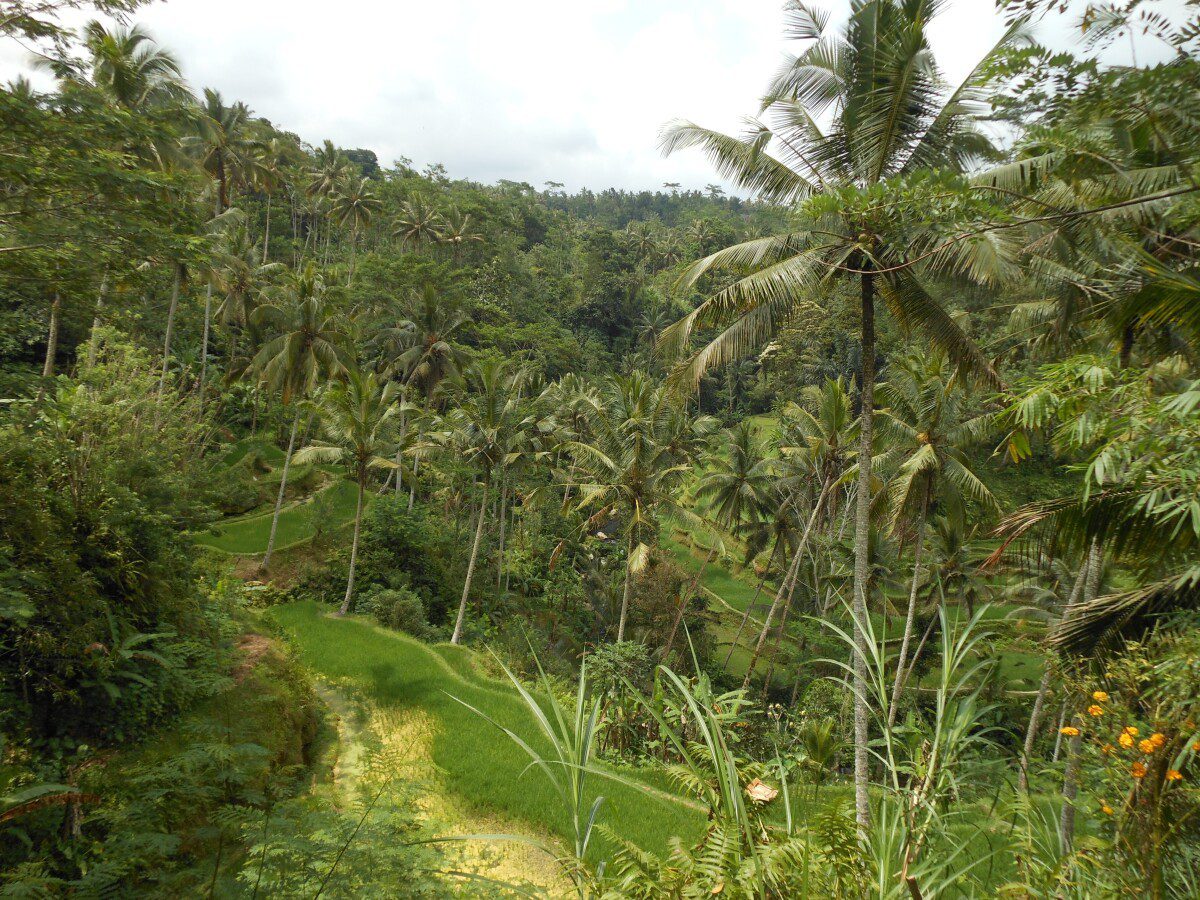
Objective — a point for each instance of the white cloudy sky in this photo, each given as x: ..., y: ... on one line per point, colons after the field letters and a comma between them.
x: 570, y: 90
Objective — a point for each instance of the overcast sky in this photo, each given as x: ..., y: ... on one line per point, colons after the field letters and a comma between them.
x: 531, y: 90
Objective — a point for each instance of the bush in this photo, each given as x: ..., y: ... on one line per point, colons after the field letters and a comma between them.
x: 399, y: 609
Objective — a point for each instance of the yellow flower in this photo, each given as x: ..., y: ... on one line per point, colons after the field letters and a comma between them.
x: 1095, y: 710
x: 1174, y: 775
x: 1146, y: 746
x: 1138, y: 770
x: 1131, y: 730
x: 1100, y: 696
x: 1158, y: 739
x: 1108, y: 810
x: 1125, y: 740
x: 1069, y: 730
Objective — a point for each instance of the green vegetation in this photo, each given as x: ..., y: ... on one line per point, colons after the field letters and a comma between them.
x: 844, y: 539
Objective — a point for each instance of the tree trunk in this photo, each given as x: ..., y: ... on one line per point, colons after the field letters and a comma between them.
x: 1039, y: 703
x: 625, y: 594
x: 462, y: 606
x: 746, y: 615
x: 684, y: 599
x: 204, y: 339
x: 862, y: 562
x: 412, y: 485
x: 174, y: 305
x: 345, y: 607
x: 287, y: 462
x: 267, y: 230
x: 400, y: 450
x: 786, y: 586
x: 503, y: 523
x: 901, y: 675
x: 779, y: 635
x: 1091, y: 588
x: 97, y: 322
x: 52, y: 336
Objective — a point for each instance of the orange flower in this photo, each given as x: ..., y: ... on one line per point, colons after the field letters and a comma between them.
x: 1095, y: 710
x: 1196, y: 747
x: 1069, y: 730
x: 1174, y: 775
x: 1131, y: 730
x: 1138, y: 770
x: 1158, y: 739
x: 1125, y: 740
x: 1107, y: 810
x: 1146, y: 745
x: 1106, y: 749
x: 1100, y: 696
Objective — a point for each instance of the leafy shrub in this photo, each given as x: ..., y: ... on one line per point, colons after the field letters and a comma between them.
x: 397, y: 608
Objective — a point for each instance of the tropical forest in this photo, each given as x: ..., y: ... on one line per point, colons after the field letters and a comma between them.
x: 828, y: 530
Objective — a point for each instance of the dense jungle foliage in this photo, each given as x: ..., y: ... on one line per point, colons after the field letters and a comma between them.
x: 366, y: 531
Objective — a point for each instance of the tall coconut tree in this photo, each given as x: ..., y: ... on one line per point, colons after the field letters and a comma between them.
x: 354, y: 204
x: 926, y: 431
x: 420, y: 351
x: 131, y: 69
x: 458, y: 232
x: 307, y: 346
x: 355, y: 415
x: 484, y: 430
x: 418, y: 223
x: 224, y: 146
x: 632, y: 467
x: 851, y: 116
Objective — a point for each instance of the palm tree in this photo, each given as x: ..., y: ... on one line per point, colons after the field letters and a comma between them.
x: 355, y: 204
x: 355, y: 414
x: 270, y: 178
x: 223, y: 146
x: 420, y: 351
x: 458, y: 231
x: 482, y: 430
x: 131, y: 69
x: 890, y: 113
x: 242, y: 279
x: 924, y: 429
x: 632, y: 466
x: 419, y: 222
x: 308, y: 346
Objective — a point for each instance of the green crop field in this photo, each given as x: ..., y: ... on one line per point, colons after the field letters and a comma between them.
x: 478, y: 762
x: 248, y: 535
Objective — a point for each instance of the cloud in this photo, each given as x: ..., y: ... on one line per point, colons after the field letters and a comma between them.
x: 528, y: 90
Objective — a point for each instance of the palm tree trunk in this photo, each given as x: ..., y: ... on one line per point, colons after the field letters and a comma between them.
x: 345, y: 607
x: 628, y: 589
x: 684, y: 599
x: 97, y: 322
x: 287, y: 463
x: 1066, y: 828
x: 267, y: 230
x: 779, y: 634
x: 901, y: 674
x: 786, y: 587
x: 204, y: 339
x: 462, y: 606
x: 52, y: 336
x: 503, y: 523
x: 749, y: 606
x: 1039, y: 703
x: 174, y: 305
x: 862, y: 561
x: 412, y: 485
x: 353, y: 253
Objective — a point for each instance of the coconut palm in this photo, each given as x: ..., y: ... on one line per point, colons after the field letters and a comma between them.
x: 419, y: 222
x: 269, y: 179
x: 131, y: 69
x: 354, y: 204
x: 224, y: 147
x: 925, y: 429
x: 632, y: 466
x: 355, y: 414
x: 242, y: 279
x: 890, y: 114
x: 420, y: 351
x: 483, y: 430
x: 307, y: 346
x: 458, y: 231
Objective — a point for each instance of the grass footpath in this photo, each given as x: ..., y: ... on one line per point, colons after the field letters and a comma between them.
x: 478, y: 763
